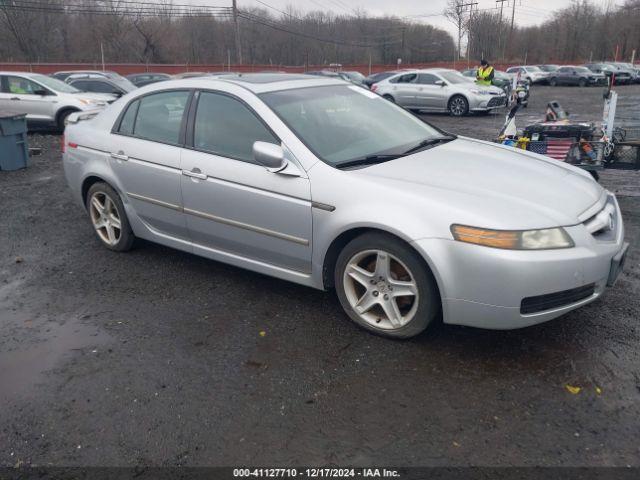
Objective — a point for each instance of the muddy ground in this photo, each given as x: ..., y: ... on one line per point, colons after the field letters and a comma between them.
x: 156, y: 357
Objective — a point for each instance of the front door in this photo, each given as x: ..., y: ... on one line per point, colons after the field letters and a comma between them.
x: 234, y: 205
x: 21, y: 95
x: 432, y: 96
x: 145, y: 158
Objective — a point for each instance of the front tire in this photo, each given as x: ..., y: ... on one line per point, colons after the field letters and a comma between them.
x: 389, y: 98
x: 458, y: 106
x: 62, y: 118
x: 582, y: 83
x: 109, y: 218
x: 553, y: 82
x: 385, y: 287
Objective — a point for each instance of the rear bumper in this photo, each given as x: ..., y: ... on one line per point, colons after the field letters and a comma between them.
x: 485, y: 287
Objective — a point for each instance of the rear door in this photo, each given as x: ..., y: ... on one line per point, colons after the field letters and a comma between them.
x: 405, y: 90
x: 145, y: 157
x: 231, y: 203
x: 19, y: 95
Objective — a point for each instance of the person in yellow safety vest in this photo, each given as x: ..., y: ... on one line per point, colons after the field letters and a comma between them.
x: 484, y: 74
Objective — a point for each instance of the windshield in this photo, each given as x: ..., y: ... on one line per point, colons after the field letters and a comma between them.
x: 533, y: 69
x: 582, y: 69
x: 549, y: 68
x: 356, y: 76
x: 124, y: 83
x: 453, y: 77
x: 342, y: 123
x: 54, y: 84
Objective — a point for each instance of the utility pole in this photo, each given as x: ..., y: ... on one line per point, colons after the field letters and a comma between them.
x: 469, y: 31
x: 501, y: 2
x: 513, y: 13
x: 237, y: 32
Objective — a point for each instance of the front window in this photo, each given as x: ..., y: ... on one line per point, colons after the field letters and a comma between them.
x: 226, y: 127
x: 22, y: 86
x: 156, y: 117
x: 343, y: 123
x: 55, y: 84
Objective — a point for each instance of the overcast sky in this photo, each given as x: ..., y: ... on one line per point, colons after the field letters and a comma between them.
x: 527, y: 12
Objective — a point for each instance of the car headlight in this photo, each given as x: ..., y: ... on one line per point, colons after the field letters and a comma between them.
x: 544, y: 239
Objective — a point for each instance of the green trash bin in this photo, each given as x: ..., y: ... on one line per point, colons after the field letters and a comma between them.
x: 14, y: 150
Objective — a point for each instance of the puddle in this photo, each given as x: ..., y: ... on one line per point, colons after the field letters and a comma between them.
x: 37, y: 344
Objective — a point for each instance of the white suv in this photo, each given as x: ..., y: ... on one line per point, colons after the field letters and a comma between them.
x: 46, y: 100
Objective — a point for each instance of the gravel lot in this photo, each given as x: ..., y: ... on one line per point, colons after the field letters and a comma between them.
x: 159, y: 357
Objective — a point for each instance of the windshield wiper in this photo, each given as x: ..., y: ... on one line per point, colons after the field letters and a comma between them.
x: 368, y: 160
x: 429, y: 142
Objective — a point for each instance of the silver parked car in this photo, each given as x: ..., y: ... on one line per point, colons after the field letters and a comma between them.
x: 440, y: 90
x: 45, y: 100
x: 326, y: 184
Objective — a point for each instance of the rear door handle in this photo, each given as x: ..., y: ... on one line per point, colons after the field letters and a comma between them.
x: 195, y: 173
x: 120, y: 156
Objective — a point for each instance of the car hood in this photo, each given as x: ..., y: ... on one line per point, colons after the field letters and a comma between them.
x: 509, y: 188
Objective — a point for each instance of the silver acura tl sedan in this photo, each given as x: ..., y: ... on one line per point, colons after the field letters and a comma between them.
x: 327, y: 184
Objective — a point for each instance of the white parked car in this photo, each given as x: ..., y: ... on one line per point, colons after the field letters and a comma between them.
x: 46, y: 100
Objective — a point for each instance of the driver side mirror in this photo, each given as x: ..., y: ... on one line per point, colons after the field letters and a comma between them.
x: 269, y: 155
x: 42, y: 92
x: 441, y: 83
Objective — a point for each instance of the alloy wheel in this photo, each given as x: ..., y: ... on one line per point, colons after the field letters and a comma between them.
x: 105, y: 218
x: 458, y: 106
x: 381, y: 289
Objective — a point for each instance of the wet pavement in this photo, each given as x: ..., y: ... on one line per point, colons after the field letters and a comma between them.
x: 158, y: 357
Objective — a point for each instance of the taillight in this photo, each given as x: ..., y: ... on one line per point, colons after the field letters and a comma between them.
x: 64, y: 144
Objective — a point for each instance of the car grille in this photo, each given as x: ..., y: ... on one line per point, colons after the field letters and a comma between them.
x: 603, y: 225
x: 550, y: 301
x: 496, y: 101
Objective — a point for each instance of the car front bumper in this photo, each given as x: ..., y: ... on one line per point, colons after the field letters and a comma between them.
x: 484, y: 103
x: 496, y: 289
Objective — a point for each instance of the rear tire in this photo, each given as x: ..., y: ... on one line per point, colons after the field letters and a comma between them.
x: 553, y: 82
x: 109, y: 218
x: 458, y: 106
x: 582, y: 82
x: 385, y: 286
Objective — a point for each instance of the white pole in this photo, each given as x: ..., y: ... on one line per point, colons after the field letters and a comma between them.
x: 102, y: 55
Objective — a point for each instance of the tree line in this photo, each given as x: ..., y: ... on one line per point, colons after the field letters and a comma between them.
x: 584, y: 31
x: 134, y: 31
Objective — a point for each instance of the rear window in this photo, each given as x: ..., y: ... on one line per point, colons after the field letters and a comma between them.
x: 156, y: 117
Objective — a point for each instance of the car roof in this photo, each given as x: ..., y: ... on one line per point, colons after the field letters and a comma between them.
x: 257, y: 82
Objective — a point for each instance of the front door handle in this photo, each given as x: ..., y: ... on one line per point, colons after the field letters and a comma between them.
x: 120, y: 156
x: 195, y: 173
x: 14, y: 98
